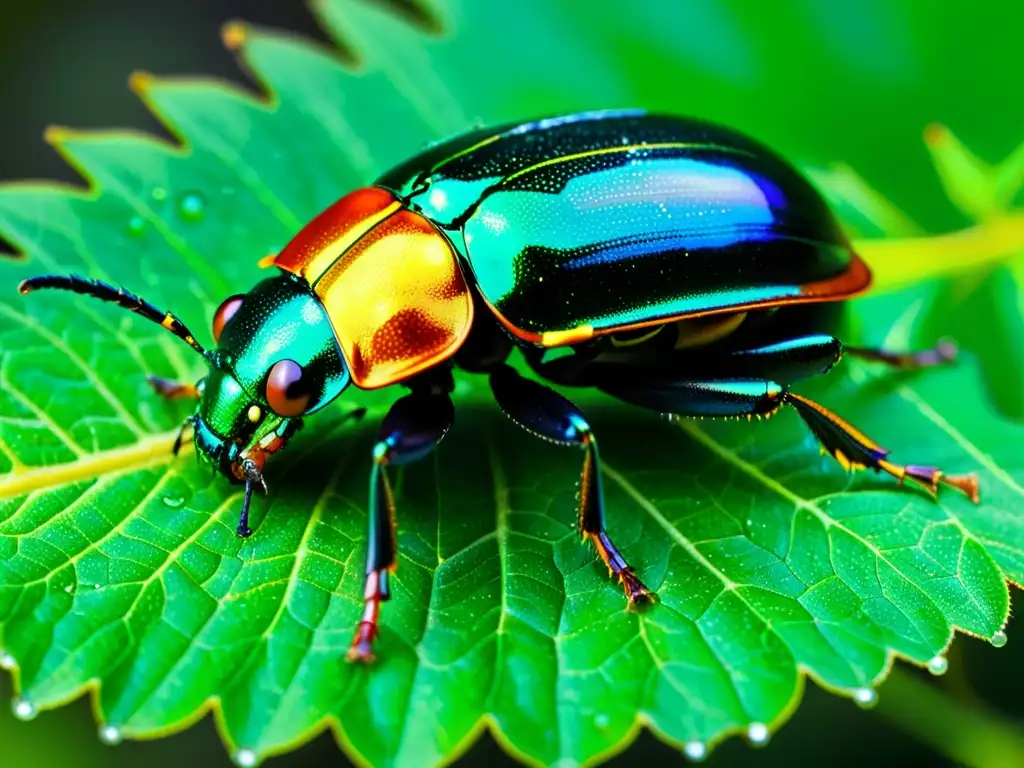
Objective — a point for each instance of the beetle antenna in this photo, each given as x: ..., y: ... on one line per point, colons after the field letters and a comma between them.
x: 124, y: 299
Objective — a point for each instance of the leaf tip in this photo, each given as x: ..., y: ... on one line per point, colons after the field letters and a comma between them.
x: 140, y: 82
x: 936, y: 134
x: 234, y: 35
x: 56, y: 134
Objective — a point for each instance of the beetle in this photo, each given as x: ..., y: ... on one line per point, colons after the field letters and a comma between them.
x: 671, y: 263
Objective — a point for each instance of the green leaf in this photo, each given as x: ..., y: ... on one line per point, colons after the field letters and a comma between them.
x: 120, y: 572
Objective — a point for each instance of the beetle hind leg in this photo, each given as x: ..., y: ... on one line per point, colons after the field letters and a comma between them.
x: 748, y: 397
x: 547, y: 414
x: 855, y: 450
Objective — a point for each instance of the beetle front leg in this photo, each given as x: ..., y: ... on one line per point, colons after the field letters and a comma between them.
x: 412, y: 428
x: 546, y: 413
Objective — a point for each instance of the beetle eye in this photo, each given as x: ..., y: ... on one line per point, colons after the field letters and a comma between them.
x: 288, y: 389
x: 224, y: 313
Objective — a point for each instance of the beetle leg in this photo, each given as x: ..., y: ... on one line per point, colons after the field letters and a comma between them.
x: 942, y: 354
x: 759, y: 397
x: 412, y: 428
x: 173, y: 390
x: 853, y: 449
x: 545, y: 413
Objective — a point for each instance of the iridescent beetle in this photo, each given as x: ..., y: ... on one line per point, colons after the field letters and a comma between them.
x: 674, y: 264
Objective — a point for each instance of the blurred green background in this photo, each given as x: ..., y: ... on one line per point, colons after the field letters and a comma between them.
x: 854, y: 81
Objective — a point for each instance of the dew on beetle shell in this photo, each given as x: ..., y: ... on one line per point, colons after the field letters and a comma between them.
x: 999, y: 639
x: 110, y: 735
x: 192, y: 206
x: 757, y: 734
x: 136, y: 225
x: 174, y: 502
x: 7, y: 661
x: 938, y: 665
x: 23, y: 709
x: 697, y: 751
x: 602, y: 720
x: 865, y: 698
x: 245, y: 758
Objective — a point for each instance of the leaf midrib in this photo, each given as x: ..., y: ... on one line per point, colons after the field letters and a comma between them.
x: 151, y: 451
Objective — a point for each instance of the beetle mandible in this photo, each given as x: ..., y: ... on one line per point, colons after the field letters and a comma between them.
x: 672, y: 263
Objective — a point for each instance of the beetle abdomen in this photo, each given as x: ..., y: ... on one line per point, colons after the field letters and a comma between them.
x: 588, y: 224
x: 618, y: 238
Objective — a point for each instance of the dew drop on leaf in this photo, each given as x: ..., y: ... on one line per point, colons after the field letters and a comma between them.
x: 938, y: 665
x: 999, y: 639
x: 245, y: 758
x: 192, y: 206
x: 136, y: 225
x: 7, y: 661
x: 174, y: 502
x: 697, y: 751
x: 865, y: 698
x: 757, y: 734
x: 159, y: 194
x: 110, y: 735
x: 23, y: 709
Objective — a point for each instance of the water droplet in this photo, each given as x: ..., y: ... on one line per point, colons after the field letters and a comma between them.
x: 865, y: 698
x: 7, y: 661
x: 938, y: 665
x: 69, y: 588
x: 999, y: 639
x: 246, y: 758
x: 110, y: 735
x: 174, y: 502
x: 159, y: 194
x: 757, y: 734
x: 192, y: 206
x: 697, y: 751
x: 95, y: 586
x: 136, y: 225
x: 23, y: 709
x: 602, y: 720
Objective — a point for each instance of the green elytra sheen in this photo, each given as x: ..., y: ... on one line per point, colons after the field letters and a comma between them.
x: 614, y: 218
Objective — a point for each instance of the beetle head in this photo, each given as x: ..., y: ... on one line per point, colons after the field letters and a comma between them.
x: 276, y: 361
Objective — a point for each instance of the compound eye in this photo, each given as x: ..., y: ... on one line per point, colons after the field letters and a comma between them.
x: 225, y: 312
x: 289, y: 389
